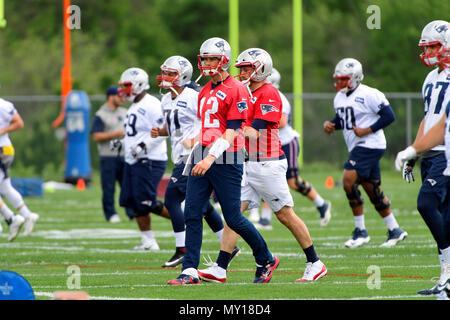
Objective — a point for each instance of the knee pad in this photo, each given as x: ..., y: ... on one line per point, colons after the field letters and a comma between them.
x: 354, y: 197
x: 209, y: 209
x: 377, y: 196
x: 303, y: 188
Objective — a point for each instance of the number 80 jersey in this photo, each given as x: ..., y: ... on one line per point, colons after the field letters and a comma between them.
x: 360, y: 109
x: 228, y: 100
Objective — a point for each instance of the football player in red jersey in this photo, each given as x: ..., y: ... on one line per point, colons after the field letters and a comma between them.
x: 218, y: 163
x: 266, y: 169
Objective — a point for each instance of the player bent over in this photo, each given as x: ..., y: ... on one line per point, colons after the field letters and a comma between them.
x: 145, y: 157
x: 361, y: 113
x: 182, y: 125
x: 266, y: 169
x: 435, y: 43
x: 218, y: 163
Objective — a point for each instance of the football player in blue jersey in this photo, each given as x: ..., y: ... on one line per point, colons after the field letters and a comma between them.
x: 435, y: 43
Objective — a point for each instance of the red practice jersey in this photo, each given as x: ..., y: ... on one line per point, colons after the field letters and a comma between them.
x: 266, y: 105
x: 228, y: 101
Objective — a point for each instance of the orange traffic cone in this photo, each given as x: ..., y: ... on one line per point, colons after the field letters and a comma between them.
x: 81, y: 185
x: 329, y: 182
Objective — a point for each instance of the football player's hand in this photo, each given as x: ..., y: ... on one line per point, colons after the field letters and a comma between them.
x: 361, y: 132
x: 203, y: 166
x: 408, y: 167
x: 138, y: 150
x: 115, y: 144
x: 329, y: 127
x: 403, y: 156
x: 155, y: 132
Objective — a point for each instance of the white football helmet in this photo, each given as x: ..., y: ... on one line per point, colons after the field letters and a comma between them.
x: 259, y: 60
x: 350, y: 69
x: 177, y: 64
x: 132, y: 82
x: 274, y: 78
x: 214, y: 47
x: 436, y: 33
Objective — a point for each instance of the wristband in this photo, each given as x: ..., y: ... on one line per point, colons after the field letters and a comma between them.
x: 219, y: 147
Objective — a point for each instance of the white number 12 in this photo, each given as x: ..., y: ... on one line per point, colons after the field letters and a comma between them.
x: 215, y: 123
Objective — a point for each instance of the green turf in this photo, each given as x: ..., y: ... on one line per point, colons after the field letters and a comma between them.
x: 72, y: 231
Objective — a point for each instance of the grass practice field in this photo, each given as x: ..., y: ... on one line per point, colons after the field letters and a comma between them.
x: 72, y: 231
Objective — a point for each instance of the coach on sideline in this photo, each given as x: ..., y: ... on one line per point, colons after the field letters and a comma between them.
x: 106, y: 126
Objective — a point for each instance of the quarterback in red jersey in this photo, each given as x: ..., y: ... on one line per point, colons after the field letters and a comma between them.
x: 265, y: 172
x: 223, y: 105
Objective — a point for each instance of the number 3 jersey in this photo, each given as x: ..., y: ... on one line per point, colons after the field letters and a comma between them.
x: 219, y: 104
x: 181, y: 120
x: 436, y: 97
x: 360, y: 109
x: 140, y: 119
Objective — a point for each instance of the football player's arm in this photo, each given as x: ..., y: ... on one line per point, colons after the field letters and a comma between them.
x: 420, y: 131
x: 283, y: 120
x: 15, y: 124
x: 156, y: 131
x: 332, y: 125
x: 432, y: 138
x: 386, y: 118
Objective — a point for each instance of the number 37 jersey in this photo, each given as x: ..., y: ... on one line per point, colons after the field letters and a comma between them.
x: 360, y: 109
x: 216, y: 105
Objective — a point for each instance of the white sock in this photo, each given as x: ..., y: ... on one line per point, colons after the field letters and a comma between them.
x: 446, y: 255
x: 359, y: 222
x: 254, y: 211
x: 190, y: 272
x: 391, y: 222
x: 6, y: 212
x: 147, y: 235
x: 266, y: 213
x: 180, y: 238
x: 24, y: 211
x: 219, y: 235
x: 318, y: 201
x: 441, y: 260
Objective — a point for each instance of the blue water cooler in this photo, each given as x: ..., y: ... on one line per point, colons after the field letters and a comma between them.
x: 77, y: 119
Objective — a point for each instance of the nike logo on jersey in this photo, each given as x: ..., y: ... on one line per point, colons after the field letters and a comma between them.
x: 221, y: 95
x: 266, y: 108
x: 241, y: 106
x: 432, y: 182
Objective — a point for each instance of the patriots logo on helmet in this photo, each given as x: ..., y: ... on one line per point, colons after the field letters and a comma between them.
x: 134, y: 72
x: 254, y: 53
x: 442, y: 28
x: 242, y: 106
x: 266, y: 108
x: 182, y: 63
x: 220, y: 44
x: 350, y: 65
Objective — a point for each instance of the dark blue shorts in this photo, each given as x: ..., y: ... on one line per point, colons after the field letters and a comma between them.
x: 140, y: 184
x: 292, y: 150
x: 177, y: 180
x: 433, y: 181
x: 365, y: 161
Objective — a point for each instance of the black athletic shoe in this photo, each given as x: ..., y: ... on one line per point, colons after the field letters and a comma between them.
x: 176, y: 259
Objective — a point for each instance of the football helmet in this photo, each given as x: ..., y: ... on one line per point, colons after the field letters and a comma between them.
x: 179, y: 65
x: 351, y: 70
x: 436, y: 33
x: 274, y: 78
x: 259, y: 60
x: 132, y: 82
x: 214, y: 47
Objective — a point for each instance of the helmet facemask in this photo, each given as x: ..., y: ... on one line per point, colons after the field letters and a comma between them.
x: 343, y: 86
x: 166, y: 81
x: 126, y: 90
x: 439, y: 57
x: 209, y: 71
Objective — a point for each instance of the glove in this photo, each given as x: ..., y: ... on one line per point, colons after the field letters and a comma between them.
x: 403, y: 156
x: 137, y: 150
x: 115, y: 144
x: 408, y: 170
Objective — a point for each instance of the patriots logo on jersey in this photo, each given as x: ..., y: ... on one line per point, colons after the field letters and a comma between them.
x: 242, y: 106
x: 266, y: 108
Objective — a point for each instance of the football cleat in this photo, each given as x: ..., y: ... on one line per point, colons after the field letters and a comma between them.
x: 30, y: 222
x: 149, y: 244
x: 358, y: 239
x: 183, y: 280
x: 429, y: 292
x: 263, y: 224
x: 114, y: 218
x: 15, y: 226
x: 235, y: 253
x: 443, y: 284
x: 213, y: 274
x: 264, y: 274
x: 314, y: 271
x: 325, y: 213
x: 176, y: 259
x: 394, y: 236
